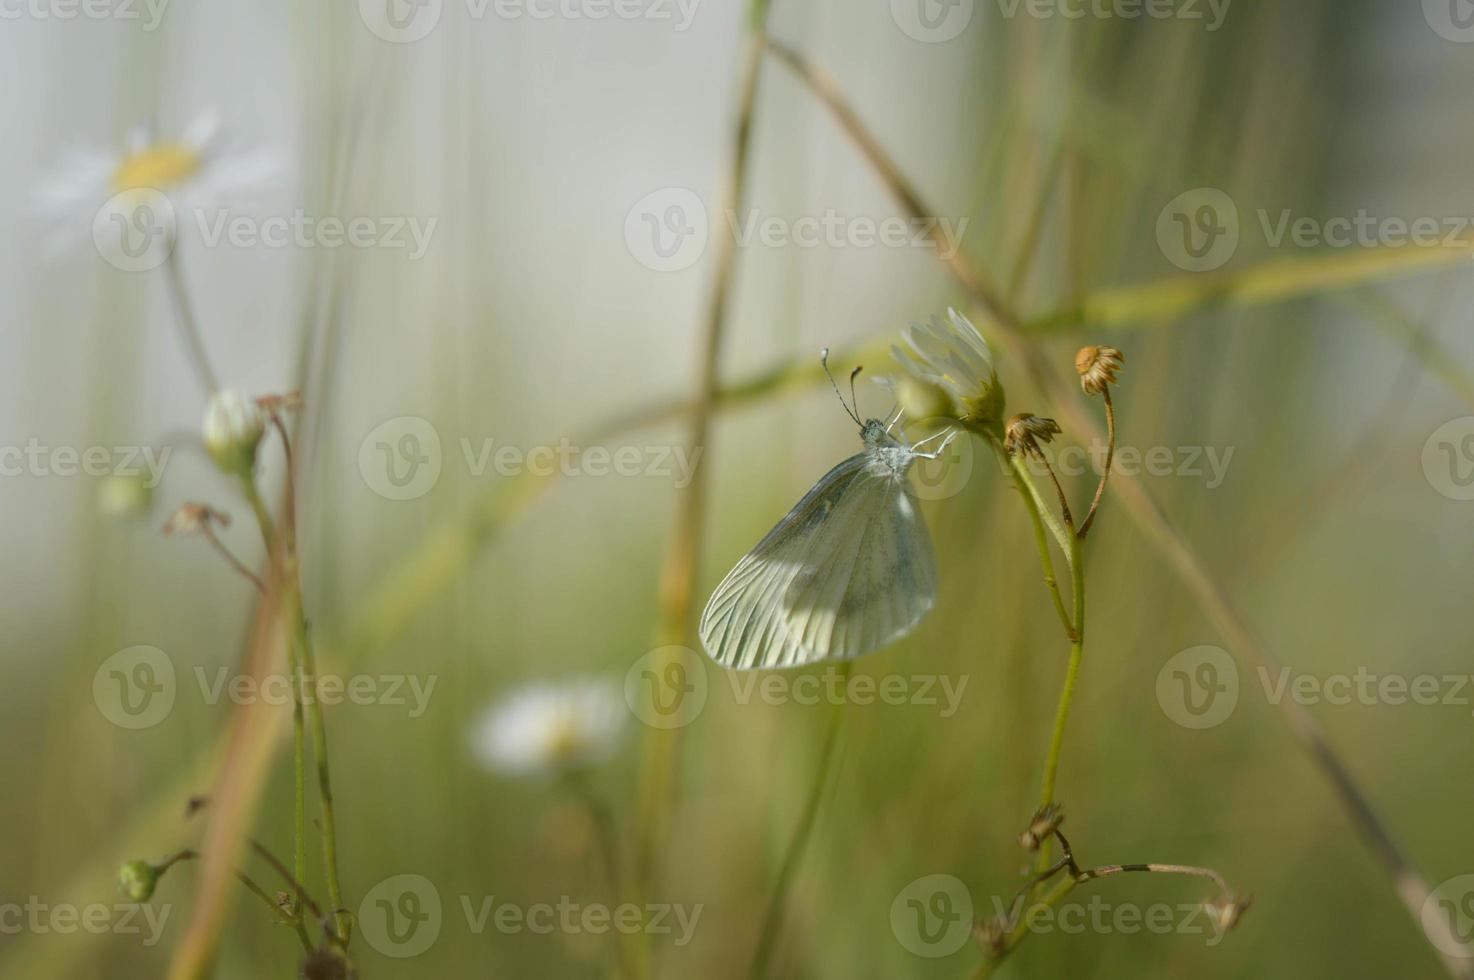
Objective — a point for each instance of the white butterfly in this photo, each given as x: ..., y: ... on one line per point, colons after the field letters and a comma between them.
x: 849, y: 570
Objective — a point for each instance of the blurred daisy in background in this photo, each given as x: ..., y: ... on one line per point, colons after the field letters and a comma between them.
x: 551, y: 727
x: 195, y: 169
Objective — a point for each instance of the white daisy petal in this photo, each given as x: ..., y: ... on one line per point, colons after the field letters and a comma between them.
x: 551, y: 727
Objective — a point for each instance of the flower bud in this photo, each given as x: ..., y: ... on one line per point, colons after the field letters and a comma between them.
x: 124, y: 497
x: 232, y: 429
x: 137, y: 880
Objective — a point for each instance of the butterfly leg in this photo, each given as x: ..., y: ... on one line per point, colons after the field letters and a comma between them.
x: 947, y: 436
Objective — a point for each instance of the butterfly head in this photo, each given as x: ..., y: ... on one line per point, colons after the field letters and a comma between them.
x: 875, y: 433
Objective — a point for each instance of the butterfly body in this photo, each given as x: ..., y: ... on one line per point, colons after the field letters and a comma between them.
x: 848, y: 570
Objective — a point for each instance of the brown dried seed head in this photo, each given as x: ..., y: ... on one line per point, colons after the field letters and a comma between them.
x: 1024, y: 433
x: 1227, y: 914
x: 193, y: 518
x: 1097, y: 367
x: 1045, y: 822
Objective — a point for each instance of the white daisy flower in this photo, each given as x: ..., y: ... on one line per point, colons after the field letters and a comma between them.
x: 550, y: 727
x: 955, y: 358
x: 194, y: 169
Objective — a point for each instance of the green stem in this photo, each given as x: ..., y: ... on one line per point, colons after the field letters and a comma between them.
x: 773, y: 921
x: 606, y: 829
x: 1067, y: 694
x: 1038, y: 514
x: 294, y: 665
x: 324, y: 778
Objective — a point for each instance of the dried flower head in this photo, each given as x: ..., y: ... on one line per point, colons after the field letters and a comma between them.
x: 1097, y: 367
x: 193, y: 518
x: 1024, y: 432
x: 232, y: 430
x: 275, y: 406
x: 1045, y: 822
x: 551, y: 727
x: 954, y: 357
x: 1226, y: 914
x: 328, y: 963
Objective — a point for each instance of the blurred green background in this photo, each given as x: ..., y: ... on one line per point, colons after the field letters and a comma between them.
x: 533, y: 317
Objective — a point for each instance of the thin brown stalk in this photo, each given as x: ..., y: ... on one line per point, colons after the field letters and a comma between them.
x: 231, y: 559
x: 682, y: 558
x: 1409, y: 884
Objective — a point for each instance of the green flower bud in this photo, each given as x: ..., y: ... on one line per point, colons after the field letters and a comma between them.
x: 232, y: 430
x: 137, y: 880
x: 124, y: 497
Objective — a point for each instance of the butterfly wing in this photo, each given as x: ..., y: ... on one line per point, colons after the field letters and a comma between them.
x: 848, y: 570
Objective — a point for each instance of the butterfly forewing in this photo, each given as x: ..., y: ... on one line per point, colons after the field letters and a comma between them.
x: 848, y: 570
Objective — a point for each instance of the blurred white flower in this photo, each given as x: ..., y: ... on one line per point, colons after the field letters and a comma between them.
x: 955, y: 358
x: 194, y: 169
x: 232, y: 429
x: 548, y: 727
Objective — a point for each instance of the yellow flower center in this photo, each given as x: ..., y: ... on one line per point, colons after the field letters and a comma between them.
x: 564, y: 740
x: 157, y: 166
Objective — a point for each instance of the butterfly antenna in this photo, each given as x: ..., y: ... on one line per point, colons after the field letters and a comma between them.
x: 824, y: 360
